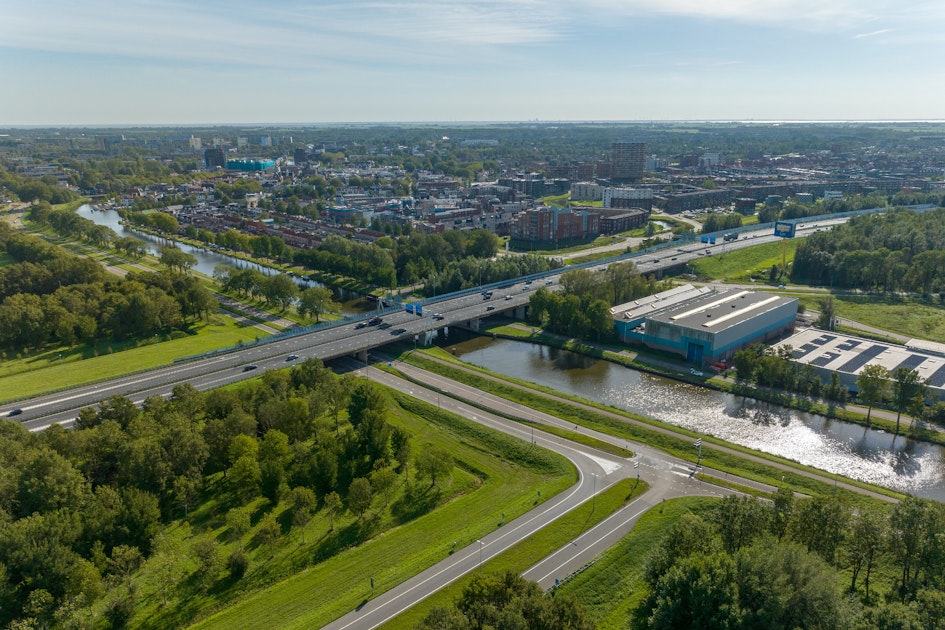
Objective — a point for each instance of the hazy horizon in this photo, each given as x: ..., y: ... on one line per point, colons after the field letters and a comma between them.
x: 174, y: 63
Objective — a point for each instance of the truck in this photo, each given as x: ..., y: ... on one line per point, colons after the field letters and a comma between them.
x: 731, y: 236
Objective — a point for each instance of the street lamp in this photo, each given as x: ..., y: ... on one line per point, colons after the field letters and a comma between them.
x: 594, y: 494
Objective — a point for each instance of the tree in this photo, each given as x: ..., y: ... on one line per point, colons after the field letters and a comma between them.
x: 176, y: 259
x: 866, y: 541
x: 269, y: 532
x: 280, y: 289
x: 359, y: 496
x: 827, y: 317
x: 317, y: 301
x: 507, y: 600
x: 383, y: 480
x: 206, y: 552
x: 303, y: 502
x: 433, y: 462
x: 909, y: 391
x: 332, y: 505
x: 238, y: 520
x: 873, y: 383
x: 697, y: 592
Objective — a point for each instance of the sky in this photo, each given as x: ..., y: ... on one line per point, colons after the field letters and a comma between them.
x: 129, y: 62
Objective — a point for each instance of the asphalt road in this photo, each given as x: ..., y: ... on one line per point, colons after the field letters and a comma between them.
x: 668, y: 478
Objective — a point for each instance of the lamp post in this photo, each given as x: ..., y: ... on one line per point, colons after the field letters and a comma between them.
x: 594, y: 494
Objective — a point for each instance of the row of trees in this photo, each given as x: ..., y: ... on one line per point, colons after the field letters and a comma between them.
x: 894, y: 251
x: 83, y: 509
x: 278, y: 289
x: 903, y: 387
x: 46, y: 189
x: 582, y: 308
x: 753, y: 564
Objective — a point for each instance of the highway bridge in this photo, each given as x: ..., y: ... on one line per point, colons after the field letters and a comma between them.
x: 355, y: 337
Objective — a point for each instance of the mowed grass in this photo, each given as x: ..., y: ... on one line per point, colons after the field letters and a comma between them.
x: 612, y: 587
x: 537, y: 546
x: 23, y: 376
x: 912, y: 317
x: 498, y: 474
x: 741, y: 265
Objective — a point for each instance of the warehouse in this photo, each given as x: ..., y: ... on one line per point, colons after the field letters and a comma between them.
x: 829, y: 352
x: 704, y: 324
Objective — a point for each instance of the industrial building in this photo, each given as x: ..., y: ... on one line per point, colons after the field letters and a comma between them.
x: 829, y: 352
x: 704, y: 324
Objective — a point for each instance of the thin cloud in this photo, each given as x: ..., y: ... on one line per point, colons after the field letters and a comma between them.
x: 872, y: 34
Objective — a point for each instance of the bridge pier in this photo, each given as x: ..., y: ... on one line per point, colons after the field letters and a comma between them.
x: 473, y: 325
x: 363, y: 356
x: 521, y: 312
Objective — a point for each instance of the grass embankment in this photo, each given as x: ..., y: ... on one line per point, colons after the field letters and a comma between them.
x: 677, y: 441
x: 533, y: 548
x: 908, y: 316
x: 29, y: 375
x: 611, y: 588
x: 744, y: 265
x: 306, y: 586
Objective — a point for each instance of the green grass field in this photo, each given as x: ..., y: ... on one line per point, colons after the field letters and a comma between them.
x: 533, y: 548
x: 22, y: 376
x: 300, y: 588
x: 741, y: 265
x: 611, y: 588
x: 912, y: 317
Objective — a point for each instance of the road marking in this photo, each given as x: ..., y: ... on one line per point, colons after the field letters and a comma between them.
x: 608, y: 465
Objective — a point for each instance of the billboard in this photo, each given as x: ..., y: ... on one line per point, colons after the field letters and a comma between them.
x: 784, y: 229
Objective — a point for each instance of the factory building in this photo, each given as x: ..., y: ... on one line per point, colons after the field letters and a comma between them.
x: 829, y: 352
x: 704, y: 324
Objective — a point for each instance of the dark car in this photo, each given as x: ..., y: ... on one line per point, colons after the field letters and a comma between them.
x: 398, y: 331
x: 249, y: 368
x: 374, y: 321
x: 490, y: 308
x: 360, y: 325
x: 292, y: 357
x: 438, y: 317
x: 15, y: 412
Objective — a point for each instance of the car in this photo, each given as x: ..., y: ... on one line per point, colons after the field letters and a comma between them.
x: 292, y: 357
x: 655, y: 260
x: 548, y: 283
x: 249, y: 368
x: 361, y: 325
x: 384, y: 326
x: 673, y: 258
x: 398, y: 331
x: 15, y: 412
x: 374, y: 321
x: 508, y: 297
x: 438, y: 316
x: 490, y: 308
x: 781, y: 286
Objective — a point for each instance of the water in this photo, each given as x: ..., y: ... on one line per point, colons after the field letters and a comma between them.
x: 838, y: 447
x: 207, y: 260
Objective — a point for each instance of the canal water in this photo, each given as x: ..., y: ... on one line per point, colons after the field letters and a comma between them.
x: 207, y: 260
x: 831, y: 445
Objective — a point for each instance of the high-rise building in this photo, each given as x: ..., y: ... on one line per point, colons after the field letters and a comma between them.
x: 215, y: 157
x: 628, y: 160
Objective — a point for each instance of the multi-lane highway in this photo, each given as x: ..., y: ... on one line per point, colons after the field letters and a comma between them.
x: 343, y: 339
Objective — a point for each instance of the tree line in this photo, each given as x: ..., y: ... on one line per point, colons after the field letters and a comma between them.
x: 582, y: 308
x: 50, y: 296
x: 83, y: 510
x: 756, y: 564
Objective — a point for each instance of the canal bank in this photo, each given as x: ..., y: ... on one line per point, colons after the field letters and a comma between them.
x: 866, y: 454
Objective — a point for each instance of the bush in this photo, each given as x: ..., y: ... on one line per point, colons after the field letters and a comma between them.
x: 237, y: 564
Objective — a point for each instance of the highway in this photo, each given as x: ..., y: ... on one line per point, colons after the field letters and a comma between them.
x: 668, y: 477
x: 343, y: 339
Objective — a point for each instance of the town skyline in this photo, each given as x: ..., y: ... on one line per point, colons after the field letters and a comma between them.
x: 173, y: 63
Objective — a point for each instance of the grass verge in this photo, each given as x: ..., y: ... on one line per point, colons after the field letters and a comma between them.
x: 533, y: 548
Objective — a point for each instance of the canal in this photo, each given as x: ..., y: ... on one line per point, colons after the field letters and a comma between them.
x: 207, y: 260
x: 837, y: 447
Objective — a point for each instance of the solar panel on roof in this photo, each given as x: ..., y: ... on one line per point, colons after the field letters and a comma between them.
x: 807, y: 348
x: 823, y: 339
x: 912, y: 362
x: 824, y: 359
x: 938, y: 378
x: 862, y: 358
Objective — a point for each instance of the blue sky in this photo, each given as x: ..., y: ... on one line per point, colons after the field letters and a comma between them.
x: 97, y: 62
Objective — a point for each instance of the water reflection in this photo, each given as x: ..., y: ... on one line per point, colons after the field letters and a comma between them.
x: 832, y: 445
x: 207, y: 260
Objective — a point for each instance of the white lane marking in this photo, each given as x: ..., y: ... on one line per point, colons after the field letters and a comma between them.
x: 608, y: 465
